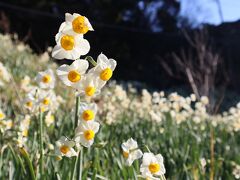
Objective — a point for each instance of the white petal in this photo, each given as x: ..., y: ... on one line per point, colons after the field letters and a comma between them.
x: 147, y: 158
x: 102, y: 59
x: 83, y: 46
x: 68, y: 17
x: 113, y: 64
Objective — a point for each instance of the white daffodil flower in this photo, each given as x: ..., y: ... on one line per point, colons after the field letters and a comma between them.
x: 69, y: 46
x: 152, y: 165
x: 104, y: 68
x: 90, y: 85
x: 131, y: 151
x: 85, y: 133
x: 87, y: 112
x: 49, y: 119
x: 2, y: 115
x: 47, y: 100
x: 75, y: 24
x: 64, y: 147
x: 46, y: 79
x: 29, y: 103
x: 72, y: 75
x: 5, y: 125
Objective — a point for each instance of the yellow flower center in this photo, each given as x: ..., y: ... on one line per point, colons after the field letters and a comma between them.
x: 67, y: 42
x: 90, y: 90
x: 79, y: 25
x: 46, y: 79
x: 46, y: 101
x: 42, y: 109
x: 29, y: 104
x: 106, y: 74
x: 89, y: 134
x: 125, y: 154
x: 25, y: 133
x: 88, y: 115
x: 2, y: 115
x: 154, y: 167
x: 64, y: 149
x: 74, y: 76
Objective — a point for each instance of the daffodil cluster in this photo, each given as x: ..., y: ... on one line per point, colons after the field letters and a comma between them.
x: 152, y: 166
x: 41, y: 98
x: 5, y: 123
x: 70, y: 44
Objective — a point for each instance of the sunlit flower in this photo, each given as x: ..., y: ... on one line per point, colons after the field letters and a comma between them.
x: 72, y: 75
x: 90, y: 85
x: 104, y: 68
x: 131, y: 151
x: 64, y: 147
x: 152, y: 165
x: 69, y: 46
x: 76, y: 24
x: 46, y: 79
x: 29, y: 103
x: 87, y: 112
x: 85, y: 133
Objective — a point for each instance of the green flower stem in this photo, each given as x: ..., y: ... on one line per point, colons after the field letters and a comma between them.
x: 29, y: 163
x: 78, y: 161
x: 41, y: 144
x: 91, y: 60
x: 74, y: 168
x: 76, y: 112
x: 80, y: 164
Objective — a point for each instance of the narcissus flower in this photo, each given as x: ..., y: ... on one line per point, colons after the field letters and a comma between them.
x: 90, y: 85
x: 152, y: 165
x: 64, y: 147
x: 87, y: 112
x: 46, y: 79
x: 76, y: 24
x: 47, y: 100
x: 85, y: 133
x: 2, y: 115
x: 69, y: 46
x: 104, y: 68
x: 131, y: 151
x: 72, y: 75
x: 29, y: 103
x: 5, y: 125
x: 49, y: 119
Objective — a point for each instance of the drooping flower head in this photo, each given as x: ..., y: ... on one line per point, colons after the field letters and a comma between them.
x: 131, y: 151
x: 64, y: 147
x: 90, y: 86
